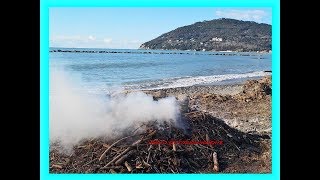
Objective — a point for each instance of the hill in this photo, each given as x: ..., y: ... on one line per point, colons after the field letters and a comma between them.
x: 216, y: 35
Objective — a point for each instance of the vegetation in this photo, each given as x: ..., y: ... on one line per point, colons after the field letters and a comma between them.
x: 216, y: 35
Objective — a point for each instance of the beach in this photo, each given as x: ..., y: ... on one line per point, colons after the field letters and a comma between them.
x: 239, y: 115
x: 250, y: 112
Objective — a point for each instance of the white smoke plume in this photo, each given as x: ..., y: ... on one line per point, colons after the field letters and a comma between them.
x: 75, y: 115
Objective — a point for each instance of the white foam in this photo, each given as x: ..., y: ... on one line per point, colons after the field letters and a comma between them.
x: 190, y: 81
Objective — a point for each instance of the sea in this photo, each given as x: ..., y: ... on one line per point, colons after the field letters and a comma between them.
x: 98, y: 70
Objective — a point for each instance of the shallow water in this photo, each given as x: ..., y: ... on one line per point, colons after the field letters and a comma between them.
x: 139, y: 69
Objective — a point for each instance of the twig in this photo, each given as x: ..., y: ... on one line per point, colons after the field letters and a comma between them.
x: 172, y: 171
x: 90, y: 162
x: 124, y: 152
x: 56, y: 166
x: 228, y: 140
x: 112, y: 167
x: 146, y: 164
x: 148, y: 157
x: 174, y: 147
x: 138, y: 128
x: 156, y: 169
x: 128, y: 166
x: 215, y: 162
x: 103, y: 155
x: 124, y: 157
x: 112, y: 171
x: 191, y: 112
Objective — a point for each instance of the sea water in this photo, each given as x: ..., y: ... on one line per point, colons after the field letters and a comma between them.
x: 136, y: 69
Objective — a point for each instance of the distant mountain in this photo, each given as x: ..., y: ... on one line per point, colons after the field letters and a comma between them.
x: 216, y: 35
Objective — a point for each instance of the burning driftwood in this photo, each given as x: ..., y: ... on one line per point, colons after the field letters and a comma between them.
x: 162, y: 149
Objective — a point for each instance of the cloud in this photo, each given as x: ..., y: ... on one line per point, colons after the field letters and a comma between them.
x: 135, y: 42
x: 92, y: 38
x: 65, y: 38
x: 91, y: 41
x: 107, y: 40
x: 246, y: 15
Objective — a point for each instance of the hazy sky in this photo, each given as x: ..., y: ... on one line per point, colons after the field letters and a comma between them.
x: 128, y: 28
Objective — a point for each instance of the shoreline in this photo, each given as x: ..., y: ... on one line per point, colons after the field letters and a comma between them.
x: 157, y: 51
x: 219, y: 87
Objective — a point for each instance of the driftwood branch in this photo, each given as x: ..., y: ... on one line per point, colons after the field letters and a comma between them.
x: 103, y: 155
x: 128, y: 166
x: 215, y: 162
x: 56, y: 166
x: 124, y: 157
x: 123, y: 153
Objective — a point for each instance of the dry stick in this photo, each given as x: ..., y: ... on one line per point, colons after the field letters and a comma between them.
x: 192, y: 112
x: 193, y: 162
x: 205, y: 147
x: 208, y: 139
x: 103, y: 155
x: 215, y: 162
x: 123, y: 153
x: 90, y: 162
x: 174, y: 147
x: 138, y: 128
x: 145, y: 163
x: 56, y: 166
x: 156, y: 169
x: 189, y: 164
x: 230, y: 141
x: 128, y: 166
x: 112, y: 171
x: 151, y: 134
x: 73, y: 166
x: 148, y: 157
x: 113, y: 167
x: 172, y: 171
x: 124, y: 157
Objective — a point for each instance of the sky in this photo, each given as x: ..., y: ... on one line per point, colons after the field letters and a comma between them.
x: 128, y: 28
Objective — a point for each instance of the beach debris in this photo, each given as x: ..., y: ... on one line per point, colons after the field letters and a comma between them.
x: 215, y: 162
x: 128, y: 166
x: 112, y: 171
x: 123, y: 153
x: 56, y: 166
x: 103, y: 155
x: 174, y: 147
x: 136, y: 153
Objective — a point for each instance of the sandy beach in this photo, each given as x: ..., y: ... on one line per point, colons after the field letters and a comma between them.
x: 237, y: 114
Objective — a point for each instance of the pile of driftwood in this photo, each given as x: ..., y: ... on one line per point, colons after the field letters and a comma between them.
x: 158, y: 149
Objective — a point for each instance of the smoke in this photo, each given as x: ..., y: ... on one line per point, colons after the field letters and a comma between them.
x: 76, y: 115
